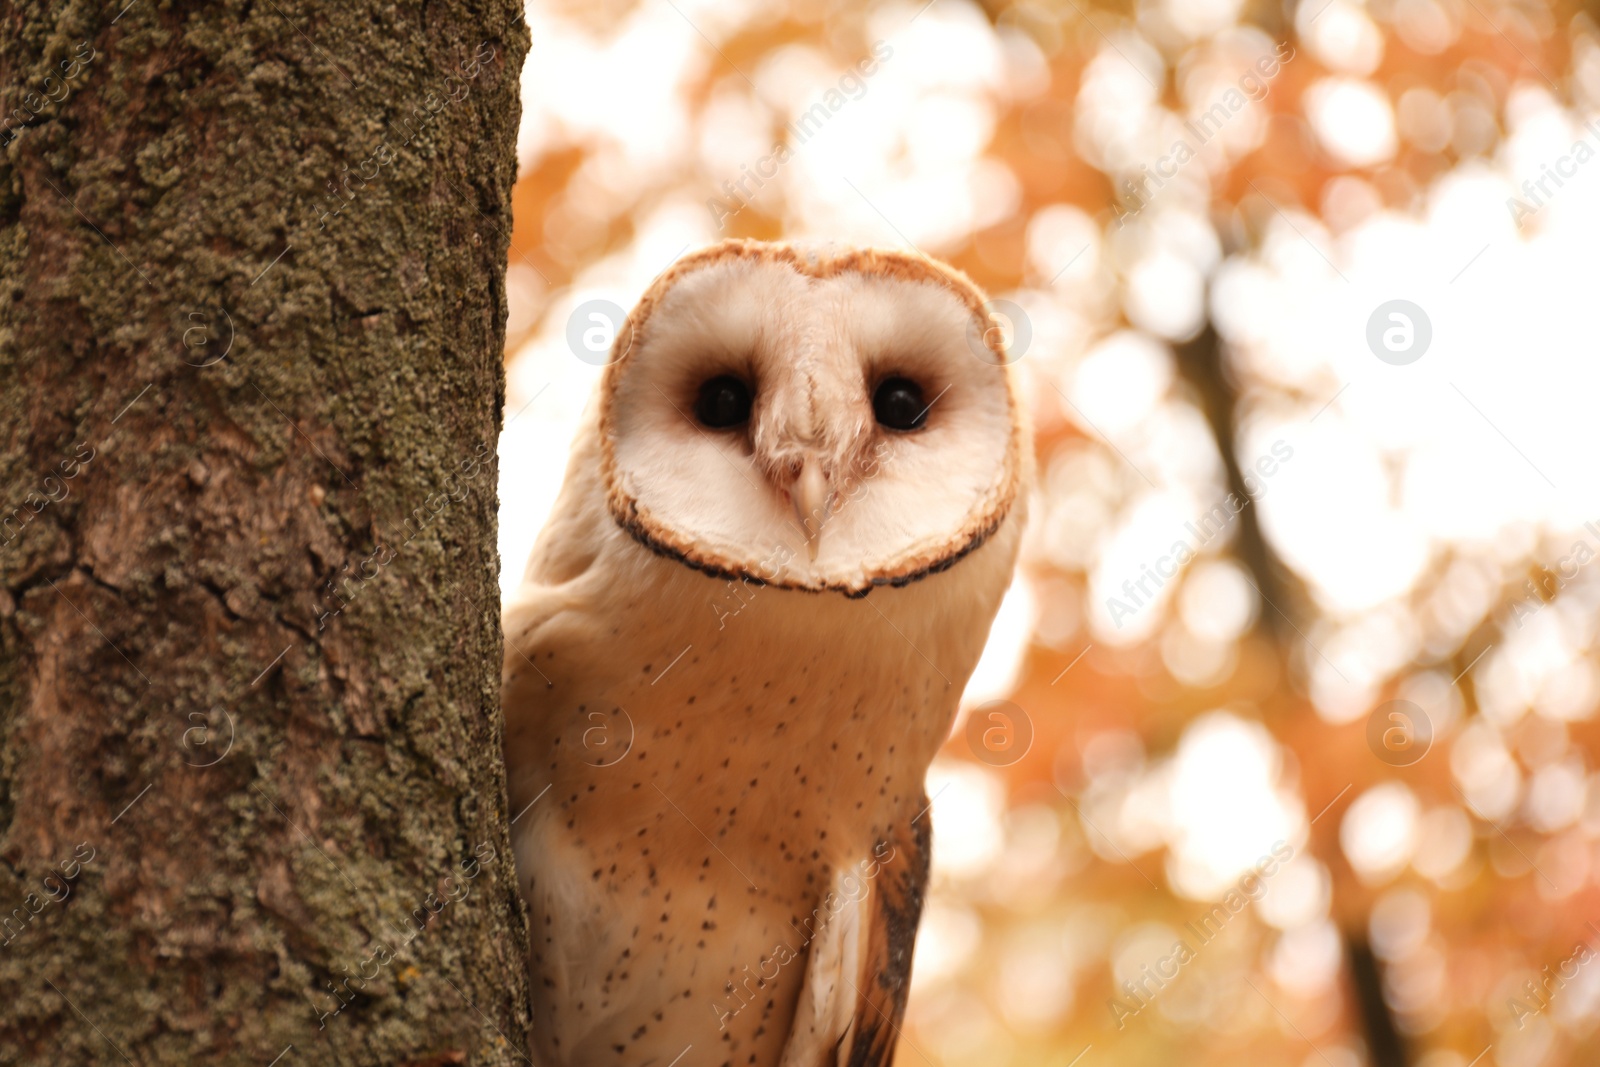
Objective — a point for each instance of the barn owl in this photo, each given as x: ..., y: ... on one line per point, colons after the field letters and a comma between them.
x: 785, y: 529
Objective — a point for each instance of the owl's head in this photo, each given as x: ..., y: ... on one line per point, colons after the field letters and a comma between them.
x: 814, y: 421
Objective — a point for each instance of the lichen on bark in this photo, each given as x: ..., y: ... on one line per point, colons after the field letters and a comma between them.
x: 249, y: 647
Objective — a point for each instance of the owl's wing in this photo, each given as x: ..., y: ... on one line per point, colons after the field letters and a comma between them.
x: 894, y: 908
x: 859, y: 969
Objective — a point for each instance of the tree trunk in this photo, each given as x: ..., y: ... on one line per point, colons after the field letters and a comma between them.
x: 252, y: 303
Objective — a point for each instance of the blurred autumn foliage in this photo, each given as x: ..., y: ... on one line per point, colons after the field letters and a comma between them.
x: 1376, y: 647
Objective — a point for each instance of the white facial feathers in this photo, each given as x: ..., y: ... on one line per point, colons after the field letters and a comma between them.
x: 818, y: 424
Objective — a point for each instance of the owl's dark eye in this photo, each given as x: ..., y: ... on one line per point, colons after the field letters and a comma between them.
x: 724, y: 401
x: 898, y: 405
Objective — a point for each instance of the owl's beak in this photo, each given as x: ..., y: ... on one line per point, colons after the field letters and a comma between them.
x: 810, y: 496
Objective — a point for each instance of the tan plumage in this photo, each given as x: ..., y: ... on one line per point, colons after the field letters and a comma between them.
x: 737, y: 649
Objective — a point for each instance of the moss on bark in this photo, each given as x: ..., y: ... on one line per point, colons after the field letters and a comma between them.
x: 251, y: 314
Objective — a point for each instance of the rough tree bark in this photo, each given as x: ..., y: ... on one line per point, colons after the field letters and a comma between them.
x: 251, y: 315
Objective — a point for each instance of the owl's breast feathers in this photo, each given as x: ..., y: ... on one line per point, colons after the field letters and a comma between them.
x: 720, y: 827
x: 722, y: 834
